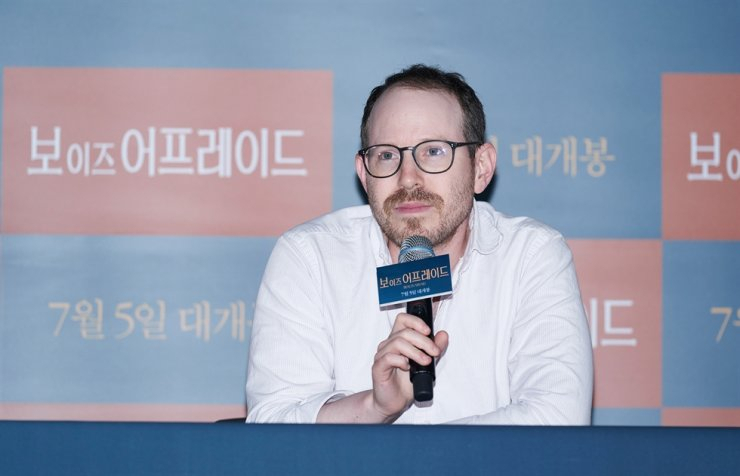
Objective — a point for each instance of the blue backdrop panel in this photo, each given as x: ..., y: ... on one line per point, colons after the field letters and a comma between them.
x: 562, y: 83
x: 127, y: 319
x: 701, y: 324
x: 626, y: 417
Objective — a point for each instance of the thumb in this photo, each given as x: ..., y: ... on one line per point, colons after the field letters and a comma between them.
x: 442, y: 339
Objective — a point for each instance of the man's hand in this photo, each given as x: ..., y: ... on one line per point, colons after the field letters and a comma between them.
x: 392, y: 392
x: 392, y: 389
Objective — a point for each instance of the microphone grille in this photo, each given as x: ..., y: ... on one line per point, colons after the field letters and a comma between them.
x: 414, y: 248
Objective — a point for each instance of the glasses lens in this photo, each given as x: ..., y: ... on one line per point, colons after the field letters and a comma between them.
x: 382, y: 160
x: 433, y: 156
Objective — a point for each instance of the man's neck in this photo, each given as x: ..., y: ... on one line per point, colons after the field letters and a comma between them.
x: 455, y: 246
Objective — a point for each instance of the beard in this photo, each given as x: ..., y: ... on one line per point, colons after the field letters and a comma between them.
x: 451, y: 214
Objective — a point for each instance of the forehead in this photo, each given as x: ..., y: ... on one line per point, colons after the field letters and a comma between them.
x: 403, y: 114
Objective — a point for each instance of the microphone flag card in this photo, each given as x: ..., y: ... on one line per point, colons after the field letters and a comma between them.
x: 424, y: 278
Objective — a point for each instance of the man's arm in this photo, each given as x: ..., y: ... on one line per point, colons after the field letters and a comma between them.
x: 550, y: 358
x: 392, y: 392
x: 289, y: 374
x: 291, y: 366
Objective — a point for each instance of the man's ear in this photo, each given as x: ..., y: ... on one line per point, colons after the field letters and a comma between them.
x: 360, y: 170
x: 485, y: 166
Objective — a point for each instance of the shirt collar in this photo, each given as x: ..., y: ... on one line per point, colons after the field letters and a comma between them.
x: 484, y: 236
x: 484, y: 233
x: 377, y: 241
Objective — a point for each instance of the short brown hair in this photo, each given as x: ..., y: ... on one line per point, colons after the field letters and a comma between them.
x: 420, y: 76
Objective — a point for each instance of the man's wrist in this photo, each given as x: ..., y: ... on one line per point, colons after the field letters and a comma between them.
x: 383, y: 415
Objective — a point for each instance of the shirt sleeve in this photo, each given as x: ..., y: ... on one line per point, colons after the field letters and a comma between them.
x: 550, y: 359
x: 290, y: 369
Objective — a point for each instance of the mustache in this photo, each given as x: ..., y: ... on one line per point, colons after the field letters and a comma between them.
x: 416, y: 195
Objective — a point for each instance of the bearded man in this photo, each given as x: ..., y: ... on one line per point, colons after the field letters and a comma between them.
x: 511, y: 345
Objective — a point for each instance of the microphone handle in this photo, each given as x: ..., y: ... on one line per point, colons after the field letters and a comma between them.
x: 422, y: 376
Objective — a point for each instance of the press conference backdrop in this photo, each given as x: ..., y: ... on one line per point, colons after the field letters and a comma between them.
x: 153, y: 151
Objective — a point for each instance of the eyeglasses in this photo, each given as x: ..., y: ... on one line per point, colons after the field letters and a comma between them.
x: 431, y: 156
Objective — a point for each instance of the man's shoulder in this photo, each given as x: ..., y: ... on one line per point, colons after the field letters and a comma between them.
x: 340, y: 236
x: 506, y: 233
x: 509, y: 225
x: 341, y: 223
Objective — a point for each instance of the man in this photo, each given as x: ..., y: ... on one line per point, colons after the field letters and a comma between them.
x: 511, y: 343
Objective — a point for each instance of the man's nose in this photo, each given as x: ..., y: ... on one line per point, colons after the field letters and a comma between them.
x: 409, y: 176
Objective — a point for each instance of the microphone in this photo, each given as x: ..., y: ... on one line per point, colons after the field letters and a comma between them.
x: 422, y: 376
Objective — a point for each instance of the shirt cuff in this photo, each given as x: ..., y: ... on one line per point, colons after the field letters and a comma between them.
x: 310, y: 408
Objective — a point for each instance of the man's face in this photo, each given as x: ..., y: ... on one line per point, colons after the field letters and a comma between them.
x: 413, y: 202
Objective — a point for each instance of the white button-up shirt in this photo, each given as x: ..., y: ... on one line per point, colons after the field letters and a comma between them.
x: 519, y: 348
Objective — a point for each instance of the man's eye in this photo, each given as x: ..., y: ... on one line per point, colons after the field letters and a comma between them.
x: 386, y: 155
x: 434, y: 151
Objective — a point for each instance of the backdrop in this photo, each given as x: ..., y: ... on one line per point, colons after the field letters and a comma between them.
x: 153, y: 151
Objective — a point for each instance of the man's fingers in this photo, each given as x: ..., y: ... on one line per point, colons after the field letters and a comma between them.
x: 410, y: 345
x: 409, y: 321
x: 387, y: 362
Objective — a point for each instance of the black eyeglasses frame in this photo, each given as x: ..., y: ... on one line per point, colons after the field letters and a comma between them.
x: 453, y: 145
